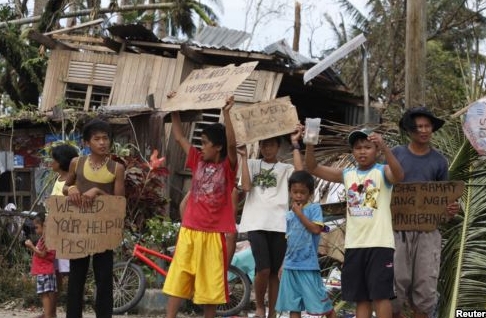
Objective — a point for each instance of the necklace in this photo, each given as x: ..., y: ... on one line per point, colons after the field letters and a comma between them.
x: 99, y: 165
x: 265, y: 178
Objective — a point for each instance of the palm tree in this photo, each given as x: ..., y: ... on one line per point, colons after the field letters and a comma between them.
x: 462, y: 282
x: 180, y: 18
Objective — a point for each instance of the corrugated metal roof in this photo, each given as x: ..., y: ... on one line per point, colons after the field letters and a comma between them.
x: 220, y: 37
x: 283, y: 49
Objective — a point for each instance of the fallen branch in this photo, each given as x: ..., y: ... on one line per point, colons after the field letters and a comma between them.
x: 125, y: 8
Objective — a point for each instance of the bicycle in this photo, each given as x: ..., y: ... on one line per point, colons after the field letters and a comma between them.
x: 129, y: 283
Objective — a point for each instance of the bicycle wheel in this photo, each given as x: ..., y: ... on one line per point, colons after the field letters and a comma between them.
x: 128, y: 286
x: 239, y: 289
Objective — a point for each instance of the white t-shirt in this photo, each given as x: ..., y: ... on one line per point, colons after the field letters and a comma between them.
x: 268, y: 200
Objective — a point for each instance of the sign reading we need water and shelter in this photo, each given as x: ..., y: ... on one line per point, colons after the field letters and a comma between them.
x: 422, y: 206
x: 264, y: 120
x: 76, y: 232
x: 209, y: 87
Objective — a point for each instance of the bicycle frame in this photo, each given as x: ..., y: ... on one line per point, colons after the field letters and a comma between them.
x: 129, y: 282
x: 139, y: 252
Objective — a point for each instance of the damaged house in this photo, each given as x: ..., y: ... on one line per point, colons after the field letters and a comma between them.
x: 127, y: 77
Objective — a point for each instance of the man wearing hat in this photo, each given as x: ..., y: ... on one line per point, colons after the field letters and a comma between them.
x: 417, y: 253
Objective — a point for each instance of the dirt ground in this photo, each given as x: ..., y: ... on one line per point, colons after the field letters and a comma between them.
x: 13, y: 310
x: 32, y: 313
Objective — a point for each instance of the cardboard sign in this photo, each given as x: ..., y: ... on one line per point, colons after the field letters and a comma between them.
x: 422, y: 206
x: 264, y: 120
x: 209, y: 87
x: 474, y: 125
x: 332, y: 243
x: 76, y: 232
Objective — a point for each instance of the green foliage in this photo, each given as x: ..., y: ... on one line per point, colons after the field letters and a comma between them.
x: 462, y: 277
x: 15, y: 263
x: 454, y: 29
x: 161, y: 231
x: 144, y: 188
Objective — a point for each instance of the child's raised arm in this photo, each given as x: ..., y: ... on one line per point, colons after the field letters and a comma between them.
x: 177, y: 128
x: 393, y: 170
x: 323, y: 172
x: 294, y: 138
x: 245, y: 179
x: 230, y: 133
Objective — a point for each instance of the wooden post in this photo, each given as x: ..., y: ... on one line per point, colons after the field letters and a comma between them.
x: 295, y: 45
x: 415, y: 53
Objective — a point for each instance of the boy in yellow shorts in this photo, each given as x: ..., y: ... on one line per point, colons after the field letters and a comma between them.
x: 198, y: 270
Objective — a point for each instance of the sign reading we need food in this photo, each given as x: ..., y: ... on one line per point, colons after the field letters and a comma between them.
x: 76, y: 232
x: 209, y: 87
x: 264, y: 120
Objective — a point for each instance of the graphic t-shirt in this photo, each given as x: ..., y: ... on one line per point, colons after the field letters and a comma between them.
x: 368, y: 221
x: 210, y: 207
x: 301, y: 253
x: 268, y: 200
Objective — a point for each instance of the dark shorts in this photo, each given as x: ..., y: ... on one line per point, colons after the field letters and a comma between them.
x: 367, y: 274
x: 268, y: 249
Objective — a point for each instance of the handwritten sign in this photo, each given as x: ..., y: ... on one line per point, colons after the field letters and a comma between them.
x: 76, y: 232
x: 474, y: 125
x: 264, y: 120
x: 209, y: 87
x: 422, y: 206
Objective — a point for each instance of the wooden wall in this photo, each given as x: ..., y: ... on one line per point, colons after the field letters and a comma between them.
x: 139, y: 75
x: 77, y: 67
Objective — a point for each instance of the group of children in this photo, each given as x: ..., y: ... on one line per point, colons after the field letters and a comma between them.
x: 283, y: 224
x: 284, y: 227
x: 283, y: 238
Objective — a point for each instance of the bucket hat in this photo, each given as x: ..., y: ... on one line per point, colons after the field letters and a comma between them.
x: 407, y: 122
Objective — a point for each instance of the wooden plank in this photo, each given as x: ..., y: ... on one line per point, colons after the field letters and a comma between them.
x: 78, y: 38
x: 78, y: 26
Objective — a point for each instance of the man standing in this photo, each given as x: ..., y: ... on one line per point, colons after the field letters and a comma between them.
x: 417, y: 253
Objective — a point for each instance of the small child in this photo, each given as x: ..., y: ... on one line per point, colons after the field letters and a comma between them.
x: 301, y: 286
x: 367, y: 274
x: 43, y: 268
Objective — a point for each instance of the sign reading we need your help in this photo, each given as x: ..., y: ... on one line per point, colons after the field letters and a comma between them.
x: 209, y: 87
x: 264, y: 120
x: 422, y: 206
x: 76, y: 232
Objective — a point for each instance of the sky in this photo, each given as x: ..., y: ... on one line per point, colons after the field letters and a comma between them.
x: 313, y: 23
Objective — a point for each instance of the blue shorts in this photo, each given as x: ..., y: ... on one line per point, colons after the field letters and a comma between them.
x: 303, y: 290
x: 46, y: 283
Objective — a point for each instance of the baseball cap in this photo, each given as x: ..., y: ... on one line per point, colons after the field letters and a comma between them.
x: 358, y: 134
x: 407, y: 122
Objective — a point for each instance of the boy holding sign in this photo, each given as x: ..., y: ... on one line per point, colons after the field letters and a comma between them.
x: 199, y: 267
x: 367, y: 274
x: 90, y: 176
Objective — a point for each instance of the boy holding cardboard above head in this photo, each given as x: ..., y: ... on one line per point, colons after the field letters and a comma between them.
x: 367, y: 274
x: 199, y: 268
